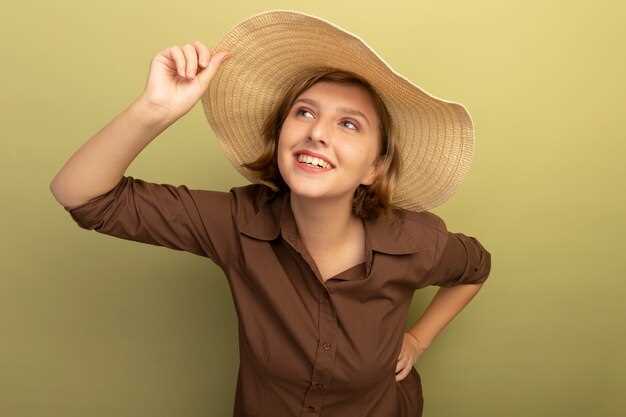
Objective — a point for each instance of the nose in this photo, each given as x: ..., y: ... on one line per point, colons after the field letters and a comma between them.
x: 319, y: 131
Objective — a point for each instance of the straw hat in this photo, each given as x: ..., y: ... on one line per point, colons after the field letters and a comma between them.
x: 271, y: 49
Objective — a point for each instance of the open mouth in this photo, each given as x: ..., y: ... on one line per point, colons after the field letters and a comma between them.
x: 311, y: 167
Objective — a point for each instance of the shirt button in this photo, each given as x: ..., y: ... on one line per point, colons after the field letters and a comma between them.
x: 326, y: 346
x: 320, y: 386
x: 310, y: 407
x: 475, y: 269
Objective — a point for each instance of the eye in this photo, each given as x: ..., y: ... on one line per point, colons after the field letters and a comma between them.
x: 302, y: 110
x: 356, y: 126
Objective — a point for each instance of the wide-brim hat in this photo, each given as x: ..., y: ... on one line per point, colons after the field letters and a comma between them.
x: 272, y: 49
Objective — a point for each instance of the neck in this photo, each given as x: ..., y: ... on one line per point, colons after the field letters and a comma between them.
x: 322, y: 223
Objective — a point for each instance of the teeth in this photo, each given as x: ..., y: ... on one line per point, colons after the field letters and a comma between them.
x: 312, y: 160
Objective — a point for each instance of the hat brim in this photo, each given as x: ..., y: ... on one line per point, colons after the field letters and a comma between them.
x: 271, y: 50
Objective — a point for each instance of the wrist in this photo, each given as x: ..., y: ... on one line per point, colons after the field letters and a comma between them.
x: 151, y: 113
x: 420, y: 342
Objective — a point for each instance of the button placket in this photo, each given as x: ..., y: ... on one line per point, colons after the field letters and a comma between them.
x: 327, y: 325
x: 325, y: 355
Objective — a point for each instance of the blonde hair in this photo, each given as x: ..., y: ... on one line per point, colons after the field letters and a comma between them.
x: 368, y: 201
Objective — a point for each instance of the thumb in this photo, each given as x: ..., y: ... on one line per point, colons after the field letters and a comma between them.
x: 215, y: 61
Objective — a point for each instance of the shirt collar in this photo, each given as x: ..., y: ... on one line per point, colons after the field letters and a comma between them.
x: 274, y: 215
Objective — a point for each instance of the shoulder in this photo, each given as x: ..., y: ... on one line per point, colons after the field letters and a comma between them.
x: 256, y: 209
x: 425, y: 228
x: 422, y: 221
x: 253, y: 197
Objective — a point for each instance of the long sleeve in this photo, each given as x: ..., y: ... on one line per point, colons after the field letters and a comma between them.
x: 176, y: 217
x: 461, y: 260
x: 454, y: 258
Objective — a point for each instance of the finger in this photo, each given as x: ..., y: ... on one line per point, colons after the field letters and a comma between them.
x: 215, y: 61
x: 399, y: 365
x: 191, y: 59
x: 404, y: 372
x: 176, y: 54
x: 204, y: 54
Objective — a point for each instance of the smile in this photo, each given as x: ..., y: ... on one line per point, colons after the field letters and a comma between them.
x: 311, y: 168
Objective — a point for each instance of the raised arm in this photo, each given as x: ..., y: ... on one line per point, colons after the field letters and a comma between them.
x: 173, y: 87
x: 99, y: 164
x: 92, y: 186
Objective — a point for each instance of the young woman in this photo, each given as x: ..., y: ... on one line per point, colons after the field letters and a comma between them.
x: 325, y: 248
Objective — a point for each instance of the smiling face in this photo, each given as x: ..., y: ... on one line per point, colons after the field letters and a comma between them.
x: 324, y: 120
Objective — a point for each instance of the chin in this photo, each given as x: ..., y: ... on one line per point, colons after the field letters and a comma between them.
x: 305, y: 187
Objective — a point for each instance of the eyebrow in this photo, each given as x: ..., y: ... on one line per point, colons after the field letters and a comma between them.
x: 341, y: 109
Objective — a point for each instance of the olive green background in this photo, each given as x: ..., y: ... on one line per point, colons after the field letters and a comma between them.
x: 97, y: 326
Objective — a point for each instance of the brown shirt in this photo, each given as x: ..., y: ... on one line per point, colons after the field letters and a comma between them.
x: 308, y: 347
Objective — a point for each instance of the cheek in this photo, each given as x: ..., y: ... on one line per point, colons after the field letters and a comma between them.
x: 287, y: 134
x: 351, y: 156
x: 284, y: 152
